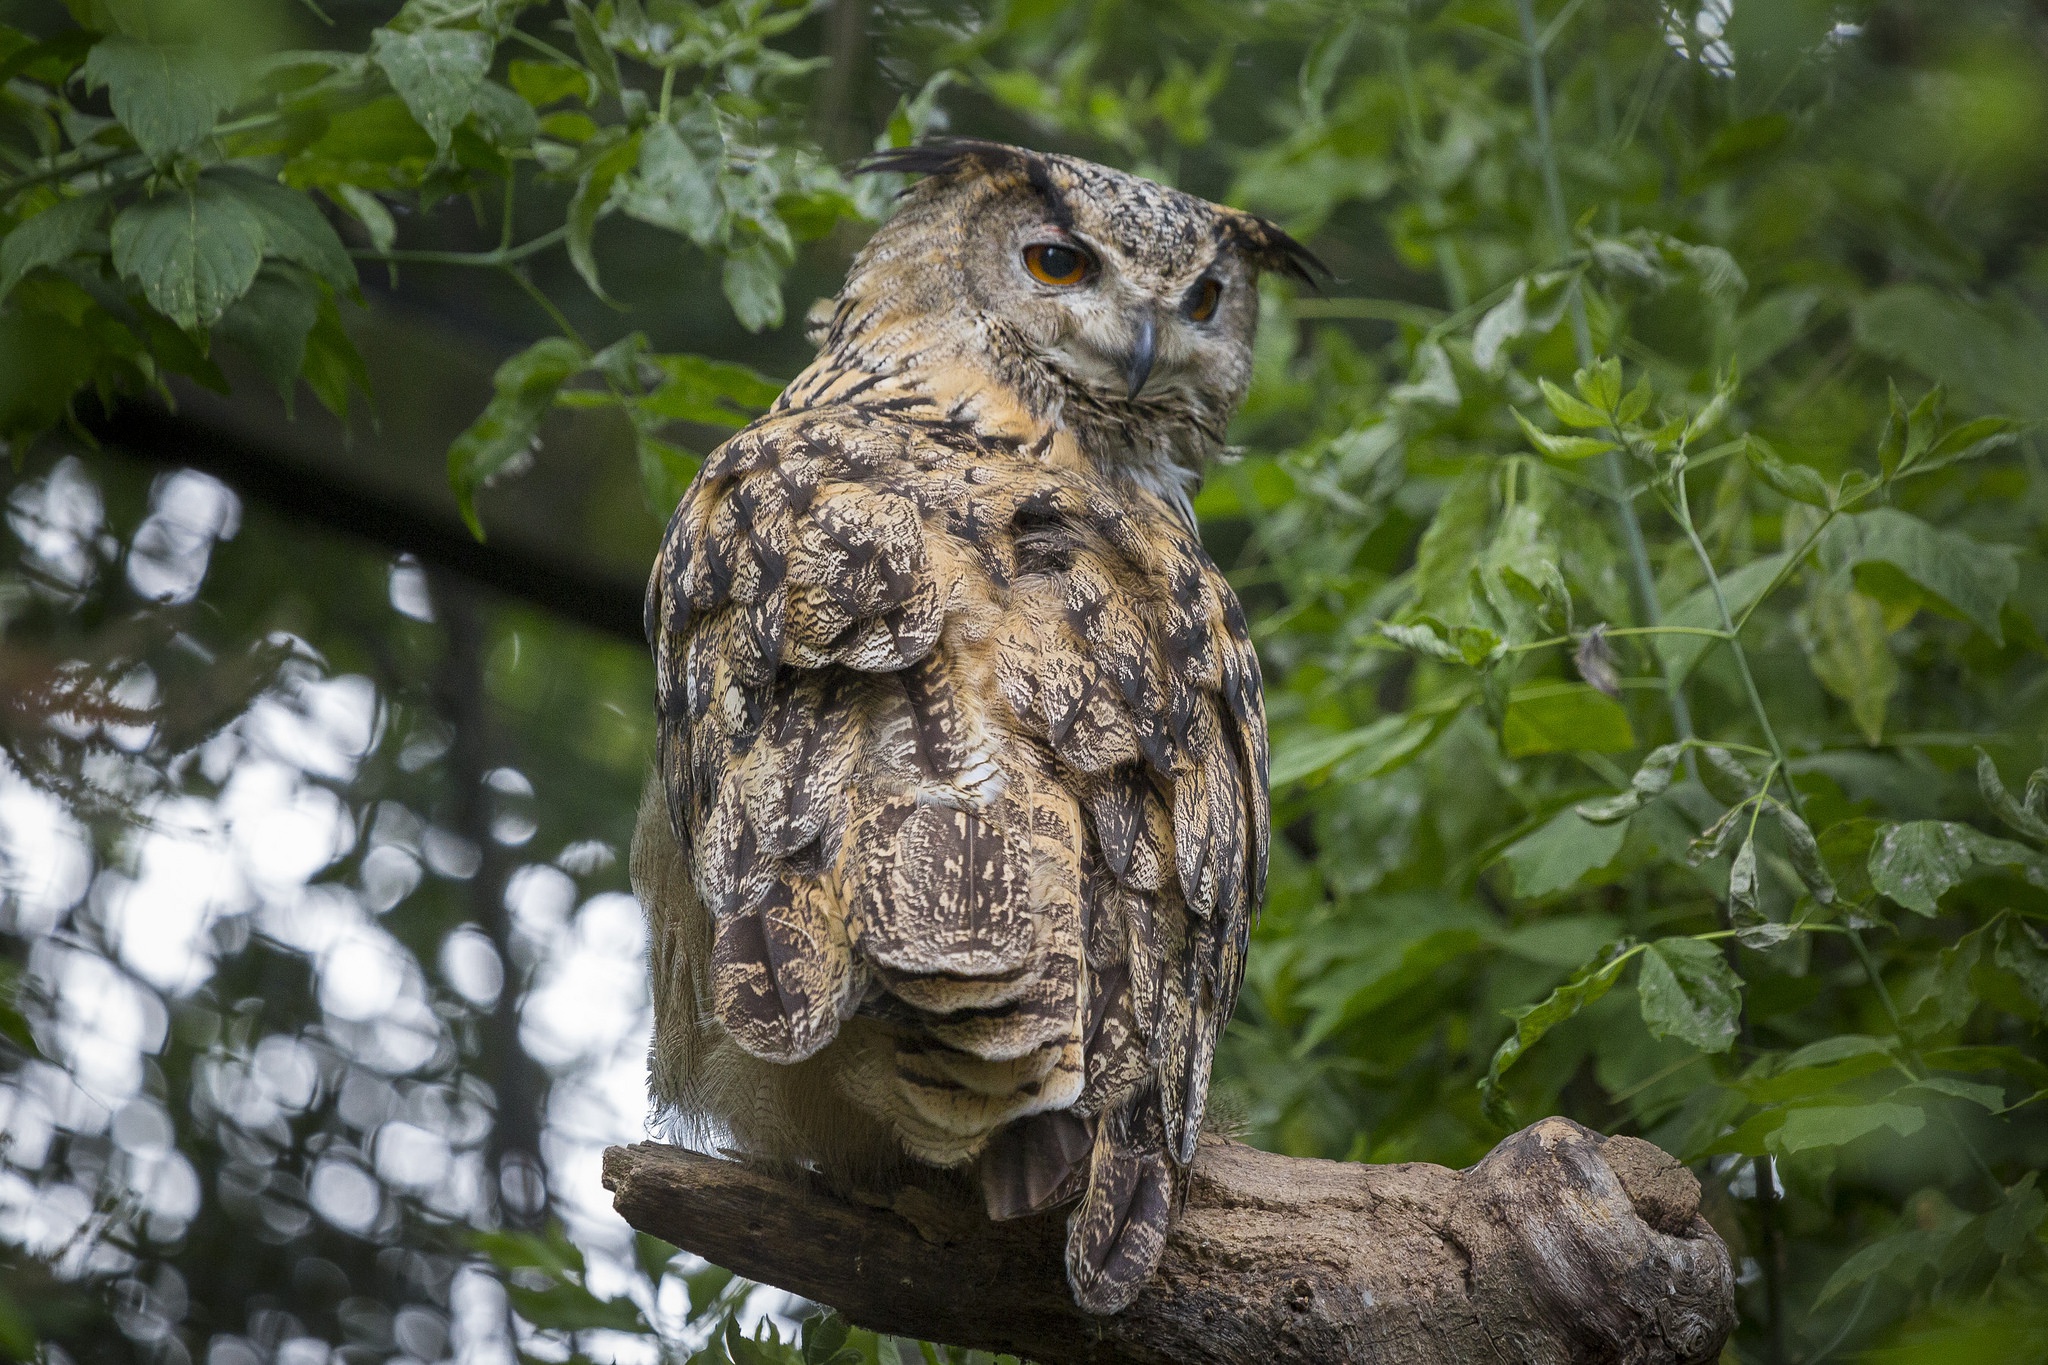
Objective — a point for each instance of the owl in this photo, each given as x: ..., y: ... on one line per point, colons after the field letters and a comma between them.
x: 959, y: 817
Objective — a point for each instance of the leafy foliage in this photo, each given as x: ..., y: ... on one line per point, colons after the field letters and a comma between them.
x: 1645, y: 539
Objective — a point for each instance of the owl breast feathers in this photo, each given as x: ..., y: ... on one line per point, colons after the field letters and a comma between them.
x: 960, y: 817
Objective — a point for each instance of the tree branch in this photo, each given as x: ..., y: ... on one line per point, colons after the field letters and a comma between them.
x: 1561, y: 1246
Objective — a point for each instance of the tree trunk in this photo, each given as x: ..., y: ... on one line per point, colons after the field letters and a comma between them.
x: 1560, y: 1247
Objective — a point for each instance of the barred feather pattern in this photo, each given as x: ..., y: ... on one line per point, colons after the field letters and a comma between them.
x: 960, y: 818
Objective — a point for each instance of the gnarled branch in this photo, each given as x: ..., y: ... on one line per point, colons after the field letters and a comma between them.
x: 1561, y: 1246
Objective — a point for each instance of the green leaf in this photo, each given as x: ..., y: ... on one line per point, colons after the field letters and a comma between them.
x: 1845, y: 849
x: 1708, y: 417
x: 167, y: 97
x: 1561, y: 853
x: 2017, y: 817
x: 1990, y: 1098
x: 1775, y: 323
x: 1637, y: 402
x: 587, y: 205
x: 1901, y: 1256
x: 572, y: 1308
x: 1587, y: 984
x: 823, y: 1337
x: 1688, y: 992
x: 1573, y: 412
x: 1835, y: 1125
x: 1996, y: 352
x: 193, y: 251
x: 1423, y: 639
x: 369, y: 210
x: 1970, y: 441
x: 1563, y: 717
x: 705, y: 1286
x: 1560, y: 717
x: 1369, y: 751
x: 1822, y: 1068
x: 675, y: 188
x: 1800, y: 483
x: 665, y: 472
x: 1950, y: 992
x: 1972, y: 578
x: 709, y: 392
x: 1563, y: 941
x: 1444, y: 555
x: 502, y: 119
x: 591, y: 46
x: 270, y: 324
x: 2018, y: 949
x: 51, y: 63
x: 525, y: 389
x: 1849, y: 650
x: 1979, y: 1058
x: 293, y: 227
x: 1742, y: 883
x: 753, y: 285
x: 1916, y: 863
x: 1600, y: 384
x: 436, y: 71
x: 50, y: 238
x: 1742, y: 587
x: 1804, y: 851
x: 1713, y: 841
x: 543, y: 83
x: 653, y: 1255
x: 1567, y: 448
x: 550, y: 1252
x: 1650, y: 781
x: 1383, y: 973
x: 332, y: 365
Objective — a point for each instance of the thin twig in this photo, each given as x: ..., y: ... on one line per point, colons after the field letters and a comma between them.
x: 1643, y: 578
x: 503, y: 256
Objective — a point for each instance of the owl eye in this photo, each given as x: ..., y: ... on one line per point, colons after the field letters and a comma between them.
x: 1201, y: 301
x: 1051, y: 263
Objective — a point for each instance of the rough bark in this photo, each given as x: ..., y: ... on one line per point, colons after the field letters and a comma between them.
x: 1561, y: 1246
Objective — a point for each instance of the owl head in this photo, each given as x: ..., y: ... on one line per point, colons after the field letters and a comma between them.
x: 1103, y: 291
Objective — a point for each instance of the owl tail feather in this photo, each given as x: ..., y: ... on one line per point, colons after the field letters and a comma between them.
x: 1036, y: 1163
x: 1116, y: 1234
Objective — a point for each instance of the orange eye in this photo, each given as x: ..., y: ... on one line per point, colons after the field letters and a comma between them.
x: 1051, y: 263
x: 1202, y: 300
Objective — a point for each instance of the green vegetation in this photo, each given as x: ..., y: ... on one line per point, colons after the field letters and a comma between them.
x: 1644, y: 537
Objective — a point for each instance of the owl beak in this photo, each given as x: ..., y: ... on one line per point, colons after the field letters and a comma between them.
x: 1144, y: 350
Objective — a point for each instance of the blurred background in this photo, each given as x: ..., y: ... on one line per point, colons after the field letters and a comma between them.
x: 321, y: 985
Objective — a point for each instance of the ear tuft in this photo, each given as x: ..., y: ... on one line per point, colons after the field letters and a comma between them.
x: 1272, y: 249
x: 950, y: 158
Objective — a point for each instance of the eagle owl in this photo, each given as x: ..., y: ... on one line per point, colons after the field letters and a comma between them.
x: 960, y: 815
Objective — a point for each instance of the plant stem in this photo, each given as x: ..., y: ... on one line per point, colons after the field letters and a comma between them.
x: 61, y: 168
x: 1646, y: 605
x: 546, y: 49
x: 1456, y: 287
x: 1682, y: 513
x: 1641, y: 576
x: 504, y: 256
x: 1618, y: 631
x: 555, y: 315
x: 505, y: 226
x: 1378, y: 310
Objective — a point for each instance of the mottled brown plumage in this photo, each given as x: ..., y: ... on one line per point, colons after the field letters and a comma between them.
x: 961, y: 816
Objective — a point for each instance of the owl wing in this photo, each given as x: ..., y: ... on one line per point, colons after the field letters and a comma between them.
x: 938, y: 718
x: 792, y: 592
x: 1132, y: 663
